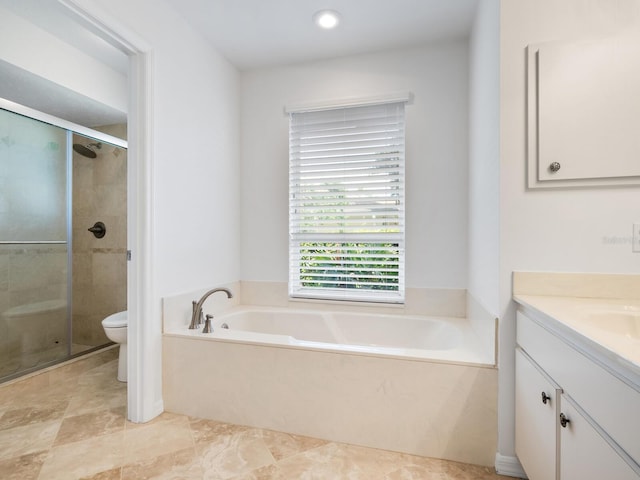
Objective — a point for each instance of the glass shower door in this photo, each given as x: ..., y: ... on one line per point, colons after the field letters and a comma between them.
x: 34, y: 250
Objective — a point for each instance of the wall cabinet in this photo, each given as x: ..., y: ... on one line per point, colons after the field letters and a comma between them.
x: 557, y: 435
x: 584, y: 112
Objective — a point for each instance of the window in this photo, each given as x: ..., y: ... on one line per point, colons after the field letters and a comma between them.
x: 346, y: 203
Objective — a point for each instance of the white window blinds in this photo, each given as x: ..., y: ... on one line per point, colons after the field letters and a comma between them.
x: 346, y: 203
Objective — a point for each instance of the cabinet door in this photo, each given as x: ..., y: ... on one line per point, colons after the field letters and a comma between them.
x: 587, y: 454
x: 537, y: 399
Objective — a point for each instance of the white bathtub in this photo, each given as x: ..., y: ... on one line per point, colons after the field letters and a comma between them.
x: 403, y: 336
x: 412, y: 384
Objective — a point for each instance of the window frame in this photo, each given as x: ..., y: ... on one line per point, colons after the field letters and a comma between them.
x: 374, y: 247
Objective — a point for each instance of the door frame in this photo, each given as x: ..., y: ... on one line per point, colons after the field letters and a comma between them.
x: 144, y: 392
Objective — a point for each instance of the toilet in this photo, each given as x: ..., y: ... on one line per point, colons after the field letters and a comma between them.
x: 115, y: 327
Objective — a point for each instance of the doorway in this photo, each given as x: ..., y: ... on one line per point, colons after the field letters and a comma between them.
x: 56, y: 283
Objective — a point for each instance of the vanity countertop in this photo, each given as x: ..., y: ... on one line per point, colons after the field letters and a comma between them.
x: 607, y: 330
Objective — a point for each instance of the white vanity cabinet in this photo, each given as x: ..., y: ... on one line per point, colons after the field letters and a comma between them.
x: 537, y: 402
x: 587, y: 453
x: 574, y: 419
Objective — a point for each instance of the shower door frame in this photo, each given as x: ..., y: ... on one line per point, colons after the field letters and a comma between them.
x: 70, y: 129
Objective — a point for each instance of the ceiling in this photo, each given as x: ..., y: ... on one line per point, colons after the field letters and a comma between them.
x: 261, y: 33
x: 249, y: 33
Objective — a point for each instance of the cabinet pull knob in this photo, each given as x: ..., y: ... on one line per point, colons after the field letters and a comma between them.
x: 564, y: 420
x: 545, y: 398
x: 554, y: 167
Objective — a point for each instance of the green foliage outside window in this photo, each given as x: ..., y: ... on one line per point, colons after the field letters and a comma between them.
x: 371, y: 266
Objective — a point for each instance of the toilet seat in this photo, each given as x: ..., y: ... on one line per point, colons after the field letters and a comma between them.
x: 116, y: 320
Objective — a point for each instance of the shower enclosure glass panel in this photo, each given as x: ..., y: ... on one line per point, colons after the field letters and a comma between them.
x: 34, y: 243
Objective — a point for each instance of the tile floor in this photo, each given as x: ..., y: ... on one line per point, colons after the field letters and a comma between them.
x: 70, y: 423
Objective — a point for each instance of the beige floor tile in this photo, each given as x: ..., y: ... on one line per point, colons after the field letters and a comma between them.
x: 162, y: 418
x: 183, y: 465
x: 113, y: 474
x: 338, y: 461
x: 31, y: 415
x: 208, y: 430
x: 91, y: 398
x: 18, y: 441
x: 101, y: 375
x: 416, y: 472
x: 148, y: 442
x: 25, y: 467
x: 270, y: 472
x: 233, y: 454
x: 283, y: 445
x: 85, y: 458
x: 36, y: 394
x: 461, y: 471
x: 88, y: 425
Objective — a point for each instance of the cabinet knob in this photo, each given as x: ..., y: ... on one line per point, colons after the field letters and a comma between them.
x: 554, y: 167
x: 564, y: 420
x: 545, y: 398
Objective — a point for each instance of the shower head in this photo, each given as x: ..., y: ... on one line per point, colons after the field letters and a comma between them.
x: 87, y: 150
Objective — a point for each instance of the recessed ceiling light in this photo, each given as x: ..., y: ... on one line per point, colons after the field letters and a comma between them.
x: 326, y: 19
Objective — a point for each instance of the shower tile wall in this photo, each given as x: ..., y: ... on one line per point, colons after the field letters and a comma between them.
x: 99, y: 264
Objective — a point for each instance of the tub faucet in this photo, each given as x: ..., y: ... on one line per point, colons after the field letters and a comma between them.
x: 196, y: 316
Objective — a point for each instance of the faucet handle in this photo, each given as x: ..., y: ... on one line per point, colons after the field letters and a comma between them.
x: 207, y: 325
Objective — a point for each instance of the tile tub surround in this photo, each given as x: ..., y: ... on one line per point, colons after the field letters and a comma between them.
x: 69, y: 423
x: 416, y: 407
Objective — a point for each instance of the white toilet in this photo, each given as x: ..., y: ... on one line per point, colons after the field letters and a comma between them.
x: 115, y: 327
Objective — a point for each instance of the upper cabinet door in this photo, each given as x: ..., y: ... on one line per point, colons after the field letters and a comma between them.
x: 584, y: 112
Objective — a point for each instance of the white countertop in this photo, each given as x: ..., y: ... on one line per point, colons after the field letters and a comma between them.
x: 607, y: 329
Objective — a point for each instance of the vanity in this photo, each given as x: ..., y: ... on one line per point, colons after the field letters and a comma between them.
x: 577, y: 382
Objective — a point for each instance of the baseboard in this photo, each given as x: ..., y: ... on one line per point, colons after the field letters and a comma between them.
x: 509, y: 466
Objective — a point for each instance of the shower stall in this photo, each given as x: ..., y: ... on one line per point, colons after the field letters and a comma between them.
x: 62, y: 237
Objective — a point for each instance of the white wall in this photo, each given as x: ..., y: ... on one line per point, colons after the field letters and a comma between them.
x: 195, y: 149
x: 484, y: 156
x: 436, y: 154
x: 552, y: 230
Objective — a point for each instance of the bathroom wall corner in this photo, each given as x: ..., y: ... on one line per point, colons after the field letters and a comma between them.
x: 484, y: 324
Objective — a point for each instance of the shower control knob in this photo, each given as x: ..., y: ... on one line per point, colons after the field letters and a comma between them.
x: 554, y: 167
x: 99, y: 230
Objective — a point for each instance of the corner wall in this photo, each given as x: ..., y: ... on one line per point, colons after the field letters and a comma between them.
x: 484, y: 157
